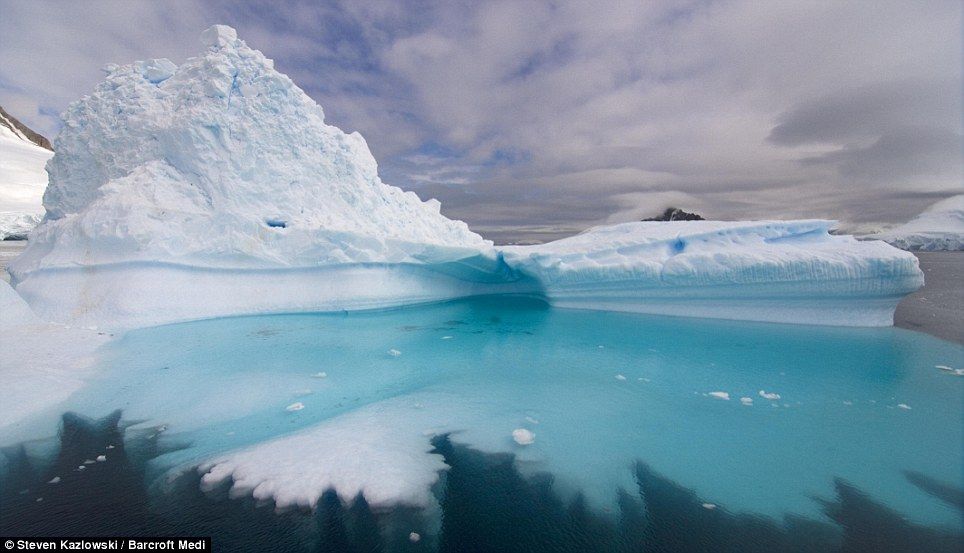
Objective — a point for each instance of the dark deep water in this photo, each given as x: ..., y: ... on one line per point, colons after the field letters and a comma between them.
x: 487, y: 505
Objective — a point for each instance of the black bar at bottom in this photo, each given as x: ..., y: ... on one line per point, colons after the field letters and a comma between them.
x: 105, y: 544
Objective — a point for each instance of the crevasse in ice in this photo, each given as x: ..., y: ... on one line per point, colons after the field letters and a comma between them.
x: 216, y: 188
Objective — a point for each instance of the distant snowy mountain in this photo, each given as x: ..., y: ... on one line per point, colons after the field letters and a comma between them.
x: 939, y: 228
x: 23, y: 131
x: 23, y: 179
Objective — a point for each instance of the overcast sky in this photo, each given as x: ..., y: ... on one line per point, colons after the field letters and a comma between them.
x: 562, y: 115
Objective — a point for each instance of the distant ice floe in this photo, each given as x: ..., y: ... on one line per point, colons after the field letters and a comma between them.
x: 769, y: 395
x: 296, y: 406
x: 904, y: 406
x: 720, y: 395
x: 394, y: 352
x: 620, y: 377
x: 746, y: 400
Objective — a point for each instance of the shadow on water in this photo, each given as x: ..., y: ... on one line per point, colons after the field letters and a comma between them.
x: 486, y: 505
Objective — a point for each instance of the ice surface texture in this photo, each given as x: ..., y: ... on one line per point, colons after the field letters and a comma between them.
x: 939, y: 228
x: 216, y: 188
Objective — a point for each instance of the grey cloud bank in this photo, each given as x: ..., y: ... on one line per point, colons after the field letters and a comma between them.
x: 542, y: 118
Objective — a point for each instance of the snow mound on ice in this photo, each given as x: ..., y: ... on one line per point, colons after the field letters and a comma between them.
x: 939, y: 228
x: 224, y: 162
x: 779, y: 271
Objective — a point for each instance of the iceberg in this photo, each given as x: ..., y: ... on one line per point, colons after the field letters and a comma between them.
x: 776, y: 271
x: 939, y: 228
x: 216, y: 188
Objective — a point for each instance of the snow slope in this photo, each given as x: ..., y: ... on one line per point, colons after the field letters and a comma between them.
x: 22, y: 183
x: 216, y: 188
x: 939, y: 228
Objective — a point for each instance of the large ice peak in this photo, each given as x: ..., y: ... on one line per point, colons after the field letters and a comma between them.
x: 219, y: 36
x: 224, y: 161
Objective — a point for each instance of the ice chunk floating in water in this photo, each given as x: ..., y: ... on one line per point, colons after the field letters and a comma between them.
x: 216, y: 188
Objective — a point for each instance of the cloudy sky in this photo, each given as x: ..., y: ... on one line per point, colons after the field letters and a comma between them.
x: 526, y: 118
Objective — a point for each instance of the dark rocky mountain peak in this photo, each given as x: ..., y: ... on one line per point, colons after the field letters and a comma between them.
x: 676, y: 214
x: 22, y: 130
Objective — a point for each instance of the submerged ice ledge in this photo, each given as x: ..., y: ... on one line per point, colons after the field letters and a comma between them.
x: 216, y: 188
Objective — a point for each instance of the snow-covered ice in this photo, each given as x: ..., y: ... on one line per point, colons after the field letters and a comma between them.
x: 720, y: 395
x: 769, y: 395
x: 216, y: 188
x: 778, y: 271
x: 939, y: 227
x: 41, y: 364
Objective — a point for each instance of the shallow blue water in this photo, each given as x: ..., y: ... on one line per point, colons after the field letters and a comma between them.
x: 600, y: 391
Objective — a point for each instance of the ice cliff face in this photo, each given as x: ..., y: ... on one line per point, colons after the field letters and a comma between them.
x: 216, y: 188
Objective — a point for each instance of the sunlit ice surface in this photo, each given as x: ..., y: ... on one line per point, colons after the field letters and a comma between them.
x: 759, y: 418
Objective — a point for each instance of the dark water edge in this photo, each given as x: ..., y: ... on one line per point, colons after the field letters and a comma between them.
x: 486, y: 505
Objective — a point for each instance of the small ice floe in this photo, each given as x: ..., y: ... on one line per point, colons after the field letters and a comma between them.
x: 101, y: 458
x: 89, y: 462
x: 620, y: 377
x: 769, y: 395
x: 109, y: 446
x: 746, y: 400
x: 302, y: 393
x: 162, y: 428
x: 444, y: 338
x: 320, y: 375
x: 720, y: 395
x: 39, y: 499
x: 414, y: 537
x: 394, y: 352
x: 81, y: 467
x: 296, y: 406
x: 523, y: 436
x: 532, y: 420
x: 641, y: 379
x: 904, y: 406
x: 601, y: 347
x: 709, y: 506
x: 54, y: 480
x: 848, y: 403
x: 955, y: 372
